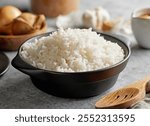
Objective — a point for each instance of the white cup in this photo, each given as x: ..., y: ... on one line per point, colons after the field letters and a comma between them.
x: 141, y: 27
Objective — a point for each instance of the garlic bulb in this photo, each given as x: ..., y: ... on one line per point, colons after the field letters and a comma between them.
x: 72, y: 20
x: 90, y: 19
x: 95, y: 18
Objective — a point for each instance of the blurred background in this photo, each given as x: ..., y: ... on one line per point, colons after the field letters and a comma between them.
x: 111, y: 5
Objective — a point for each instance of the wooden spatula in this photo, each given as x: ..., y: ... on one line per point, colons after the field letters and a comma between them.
x: 125, y: 97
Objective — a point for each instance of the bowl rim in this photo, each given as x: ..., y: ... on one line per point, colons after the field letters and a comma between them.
x: 138, y: 10
x: 81, y: 72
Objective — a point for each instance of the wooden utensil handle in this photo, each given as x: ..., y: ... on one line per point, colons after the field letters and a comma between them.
x: 140, y: 84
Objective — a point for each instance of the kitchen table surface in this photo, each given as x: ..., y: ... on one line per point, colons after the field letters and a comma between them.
x: 17, y: 90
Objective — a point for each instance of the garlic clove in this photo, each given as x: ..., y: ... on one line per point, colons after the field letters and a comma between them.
x: 72, y: 20
x: 108, y: 26
x: 89, y: 19
x: 95, y: 18
x: 102, y: 14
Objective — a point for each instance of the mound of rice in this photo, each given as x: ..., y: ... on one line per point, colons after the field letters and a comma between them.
x: 72, y: 50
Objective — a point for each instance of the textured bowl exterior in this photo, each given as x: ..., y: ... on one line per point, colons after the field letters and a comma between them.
x: 4, y: 63
x: 74, y: 89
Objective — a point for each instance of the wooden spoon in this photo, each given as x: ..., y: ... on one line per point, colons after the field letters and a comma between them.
x: 125, y: 97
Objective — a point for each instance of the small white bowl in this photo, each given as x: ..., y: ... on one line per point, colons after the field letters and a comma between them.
x: 141, y: 27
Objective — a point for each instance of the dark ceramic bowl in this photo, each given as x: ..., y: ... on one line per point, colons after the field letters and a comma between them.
x: 4, y: 63
x: 78, y: 84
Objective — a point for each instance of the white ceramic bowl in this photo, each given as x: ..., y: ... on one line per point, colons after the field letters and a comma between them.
x: 141, y: 27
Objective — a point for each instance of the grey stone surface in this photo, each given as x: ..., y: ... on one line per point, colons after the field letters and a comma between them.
x: 17, y: 90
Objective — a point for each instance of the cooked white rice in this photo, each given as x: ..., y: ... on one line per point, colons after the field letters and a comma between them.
x: 72, y: 50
